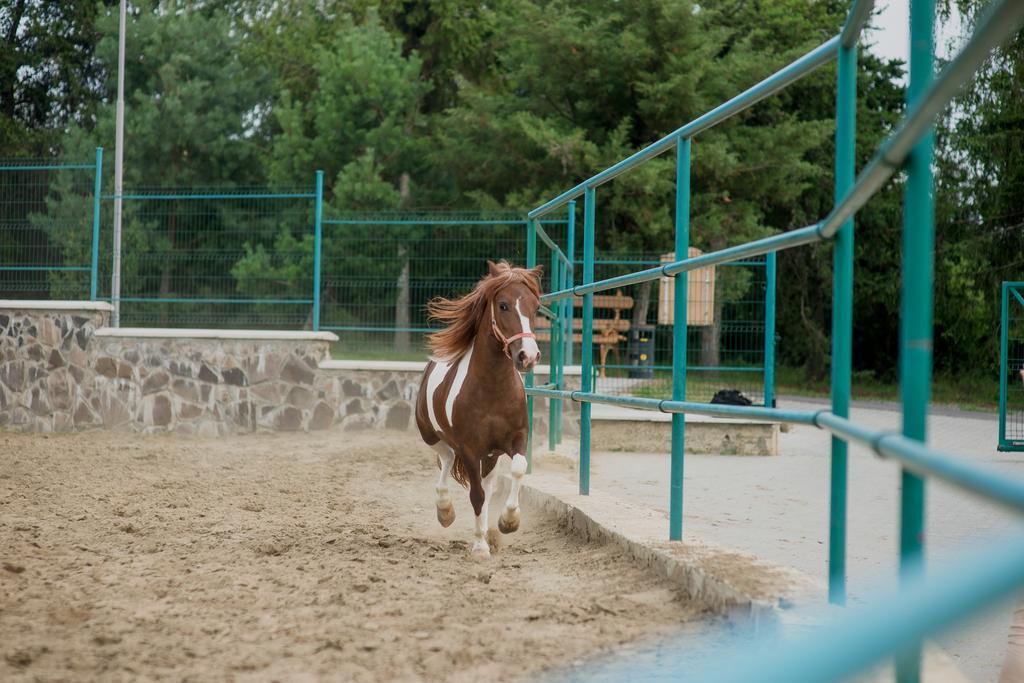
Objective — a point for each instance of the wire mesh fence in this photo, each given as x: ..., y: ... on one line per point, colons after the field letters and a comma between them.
x: 48, y: 215
x: 1011, y: 404
x: 249, y: 258
x: 726, y: 331
x: 380, y: 269
x: 214, y: 258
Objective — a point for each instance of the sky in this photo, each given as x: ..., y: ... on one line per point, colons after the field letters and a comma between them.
x: 890, y: 36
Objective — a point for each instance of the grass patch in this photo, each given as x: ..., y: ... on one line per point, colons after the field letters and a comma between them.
x: 975, y: 391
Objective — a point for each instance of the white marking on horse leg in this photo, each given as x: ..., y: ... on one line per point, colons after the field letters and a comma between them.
x: 445, y: 509
x: 509, y: 519
x: 480, y: 548
x: 434, y: 380
x: 460, y: 378
x: 529, y: 343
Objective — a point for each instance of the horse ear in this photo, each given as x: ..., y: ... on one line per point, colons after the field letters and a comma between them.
x: 492, y: 268
x: 537, y: 273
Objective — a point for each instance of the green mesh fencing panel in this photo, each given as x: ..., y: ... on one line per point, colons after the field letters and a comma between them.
x: 46, y: 223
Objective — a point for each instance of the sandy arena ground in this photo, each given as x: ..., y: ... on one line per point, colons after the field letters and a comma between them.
x: 287, y: 557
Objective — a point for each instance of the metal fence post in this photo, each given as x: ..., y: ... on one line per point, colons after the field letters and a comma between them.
x: 679, y: 330
x: 554, y: 404
x: 570, y: 307
x: 531, y: 261
x: 842, y: 318
x: 587, y: 348
x: 769, y: 328
x: 317, y: 241
x: 97, y: 191
x: 916, y: 314
x: 1004, y: 347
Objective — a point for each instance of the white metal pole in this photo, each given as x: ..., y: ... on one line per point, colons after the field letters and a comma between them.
x: 115, y: 285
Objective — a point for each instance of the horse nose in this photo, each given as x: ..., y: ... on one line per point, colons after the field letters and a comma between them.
x: 527, y: 360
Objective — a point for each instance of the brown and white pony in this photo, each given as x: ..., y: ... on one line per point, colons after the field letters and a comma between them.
x: 471, y: 406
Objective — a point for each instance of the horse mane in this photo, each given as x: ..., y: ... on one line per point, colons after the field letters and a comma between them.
x: 461, y: 316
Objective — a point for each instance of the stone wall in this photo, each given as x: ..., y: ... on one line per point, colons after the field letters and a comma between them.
x: 63, y: 369
x: 45, y: 370
x: 211, y: 383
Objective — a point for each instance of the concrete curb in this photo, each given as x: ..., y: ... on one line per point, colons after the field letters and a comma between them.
x: 747, y: 591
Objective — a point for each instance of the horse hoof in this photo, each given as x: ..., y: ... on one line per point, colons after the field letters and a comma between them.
x: 446, y: 515
x: 509, y: 524
x: 480, y: 552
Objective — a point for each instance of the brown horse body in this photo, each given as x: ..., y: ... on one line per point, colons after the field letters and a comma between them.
x: 471, y: 406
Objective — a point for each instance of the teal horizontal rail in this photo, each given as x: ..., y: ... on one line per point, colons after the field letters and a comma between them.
x: 200, y: 300
x: 917, y: 457
x: 48, y: 167
x: 348, y: 221
x: 786, y: 240
x: 45, y: 268
x: 666, y: 406
x: 695, y: 368
x: 546, y: 239
x: 869, y: 633
x: 994, y: 28
x: 628, y: 262
x: 911, y: 454
x: 190, y: 197
x: 769, y: 86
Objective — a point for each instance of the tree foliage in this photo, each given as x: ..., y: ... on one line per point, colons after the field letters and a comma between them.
x: 500, y: 106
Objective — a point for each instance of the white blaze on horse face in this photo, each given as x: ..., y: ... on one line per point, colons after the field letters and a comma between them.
x: 529, y: 343
x: 460, y: 378
x: 434, y: 380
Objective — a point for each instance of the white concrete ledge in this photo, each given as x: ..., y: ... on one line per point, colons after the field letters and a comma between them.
x: 179, y: 333
x: 383, y: 365
x: 414, y: 366
x: 46, y: 305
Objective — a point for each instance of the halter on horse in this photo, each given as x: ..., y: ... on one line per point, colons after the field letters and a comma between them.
x: 471, y: 406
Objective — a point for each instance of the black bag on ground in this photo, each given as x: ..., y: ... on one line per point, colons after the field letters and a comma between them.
x: 731, y: 397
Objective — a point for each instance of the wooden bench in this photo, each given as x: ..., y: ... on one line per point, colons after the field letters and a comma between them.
x: 608, y: 332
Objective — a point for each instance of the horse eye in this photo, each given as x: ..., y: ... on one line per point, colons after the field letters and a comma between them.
x: 503, y: 306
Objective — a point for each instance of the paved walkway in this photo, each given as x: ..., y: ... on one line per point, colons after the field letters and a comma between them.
x: 777, y: 507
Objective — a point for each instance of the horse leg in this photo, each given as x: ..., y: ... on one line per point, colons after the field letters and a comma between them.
x: 445, y: 509
x: 509, y: 519
x: 479, y: 492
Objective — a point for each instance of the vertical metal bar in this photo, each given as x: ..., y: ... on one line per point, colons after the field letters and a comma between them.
x: 115, y: 278
x: 94, y: 267
x: 842, y: 318
x: 531, y: 261
x: 554, y: 404
x: 770, y: 264
x: 317, y: 247
x: 566, y: 316
x: 560, y: 378
x: 570, y: 304
x: 1004, y: 321
x: 587, y: 348
x: 916, y: 313
x: 679, y: 329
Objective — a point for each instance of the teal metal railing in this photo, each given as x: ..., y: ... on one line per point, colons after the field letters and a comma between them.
x: 44, y: 250
x: 1011, y: 364
x: 908, y: 148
